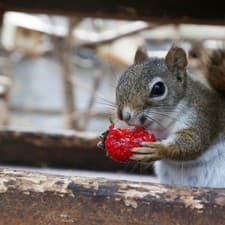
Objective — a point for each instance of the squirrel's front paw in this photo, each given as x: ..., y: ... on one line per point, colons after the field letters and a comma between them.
x: 150, y: 151
x: 101, y: 145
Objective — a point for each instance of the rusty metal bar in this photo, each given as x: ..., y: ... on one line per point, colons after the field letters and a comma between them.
x: 33, y: 198
x: 170, y: 11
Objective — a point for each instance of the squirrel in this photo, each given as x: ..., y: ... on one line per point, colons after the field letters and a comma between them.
x: 186, y: 115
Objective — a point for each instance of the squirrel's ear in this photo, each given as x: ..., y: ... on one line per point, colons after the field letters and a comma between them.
x: 140, y: 55
x: 176, y: 59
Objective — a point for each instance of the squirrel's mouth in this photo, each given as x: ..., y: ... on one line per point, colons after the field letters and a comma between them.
x: 160, y: 128
x: 160, y: 132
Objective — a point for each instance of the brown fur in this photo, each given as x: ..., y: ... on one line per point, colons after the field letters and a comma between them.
x: 215, y: 70
x: 204, y: 108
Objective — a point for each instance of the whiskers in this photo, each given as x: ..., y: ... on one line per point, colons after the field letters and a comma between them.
x: 106, y: 102
x: 156, y: 121
x: 166, y: 112
x: 164, y: 115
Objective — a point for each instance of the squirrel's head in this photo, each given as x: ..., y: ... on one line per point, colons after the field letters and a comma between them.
x: 149, y: 92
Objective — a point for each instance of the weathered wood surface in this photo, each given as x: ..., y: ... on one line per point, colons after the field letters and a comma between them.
x: 32, y: 198
x: 169, y: 11
x: 69, y: 149
x: 74, y: 149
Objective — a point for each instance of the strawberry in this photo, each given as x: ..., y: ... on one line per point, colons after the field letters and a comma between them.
x: 117, y: 141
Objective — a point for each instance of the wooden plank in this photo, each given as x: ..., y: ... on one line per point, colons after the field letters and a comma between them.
x: 170, y: 11
x: 68, y: 149
x: 34, y: 198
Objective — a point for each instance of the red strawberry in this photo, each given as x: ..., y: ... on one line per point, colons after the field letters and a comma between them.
x: 117, y: 141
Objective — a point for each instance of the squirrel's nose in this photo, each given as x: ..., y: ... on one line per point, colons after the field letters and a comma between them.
x: 125, y: 116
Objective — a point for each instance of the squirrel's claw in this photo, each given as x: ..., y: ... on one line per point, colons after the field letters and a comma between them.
x: 149, y: 144
x: 150, y: 153
x: 143, y: 150
x: 145, y: 157
x: 100, y: 145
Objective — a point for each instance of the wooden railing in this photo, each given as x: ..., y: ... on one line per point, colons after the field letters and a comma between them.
x: 34, y: 198
x: 170, y: 11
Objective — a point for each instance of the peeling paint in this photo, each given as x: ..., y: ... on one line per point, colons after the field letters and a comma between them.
x: 134, y: 190
x: 220, y: 200
x: 107, y: 198
x: 3, y: 187
x: 131, y: 202
x: 66, y: 218
x: 189, y: 201
x: 37, y: 182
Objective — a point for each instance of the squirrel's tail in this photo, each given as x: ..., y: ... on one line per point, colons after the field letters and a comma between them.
x: 215, y: 69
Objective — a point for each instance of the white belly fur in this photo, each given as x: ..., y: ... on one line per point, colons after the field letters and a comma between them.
x: 206, y: 171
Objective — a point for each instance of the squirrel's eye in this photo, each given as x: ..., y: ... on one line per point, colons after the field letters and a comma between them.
x: 158, y: 89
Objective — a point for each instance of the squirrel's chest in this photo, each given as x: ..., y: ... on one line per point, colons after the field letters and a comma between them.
x: 206, y: 171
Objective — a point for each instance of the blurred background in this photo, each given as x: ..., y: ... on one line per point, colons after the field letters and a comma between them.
x: 60, y: 72
x: 58, y: 75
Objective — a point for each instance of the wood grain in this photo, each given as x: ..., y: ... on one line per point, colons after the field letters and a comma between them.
x: 34, y: 198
